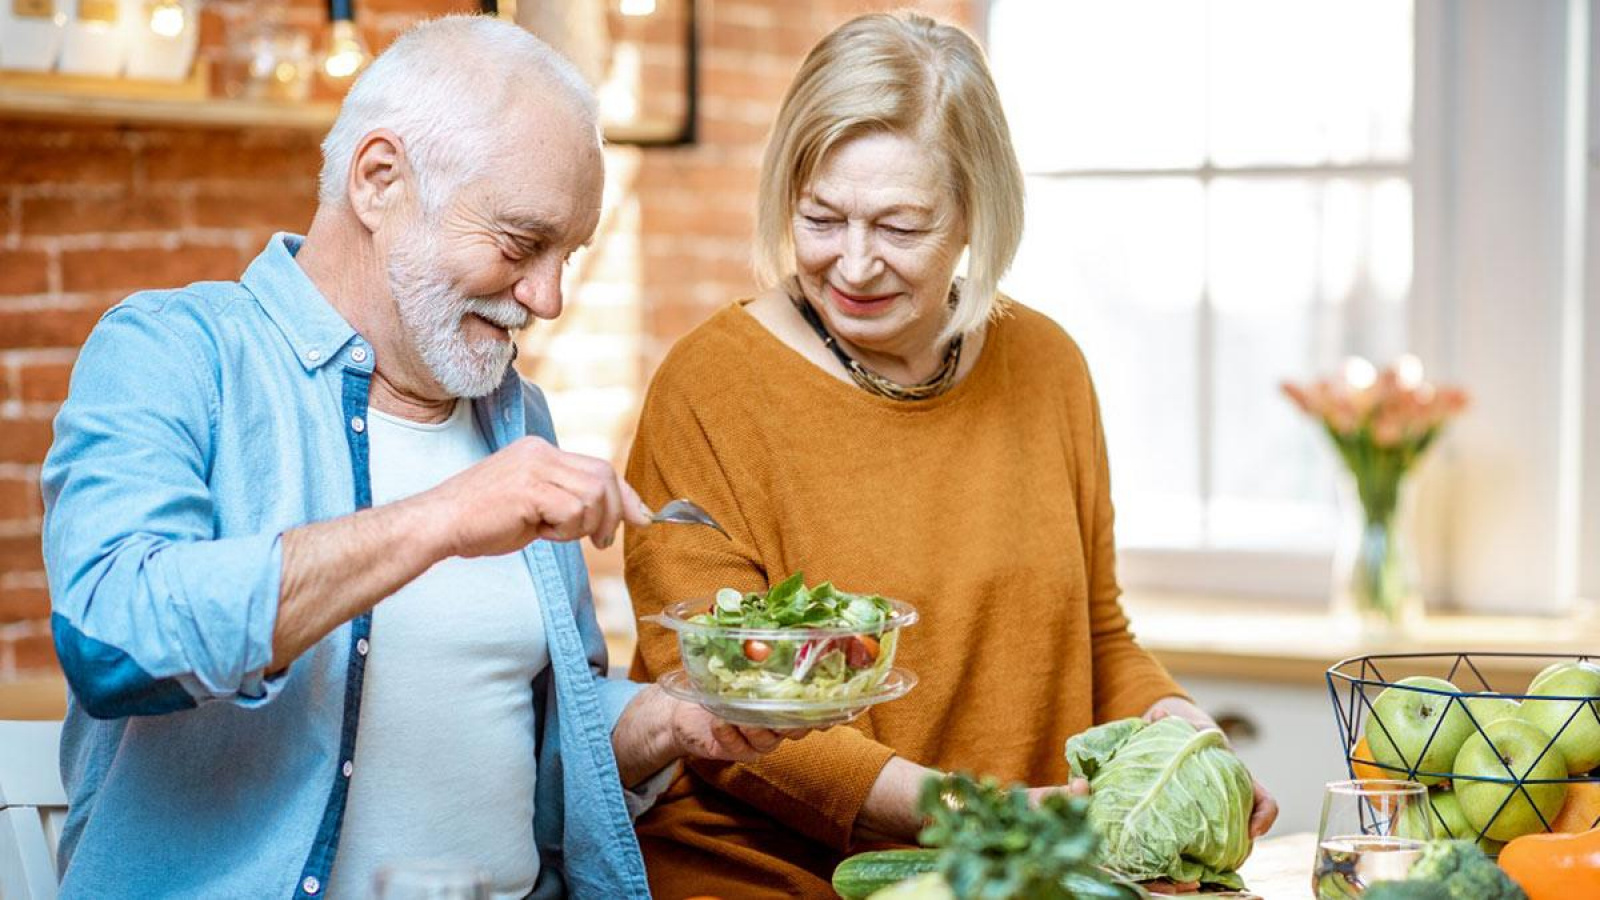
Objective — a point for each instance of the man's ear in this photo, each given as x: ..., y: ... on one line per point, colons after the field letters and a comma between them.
x: 379, y: 177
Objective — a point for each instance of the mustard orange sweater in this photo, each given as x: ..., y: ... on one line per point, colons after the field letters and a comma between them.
x: 988, y: 508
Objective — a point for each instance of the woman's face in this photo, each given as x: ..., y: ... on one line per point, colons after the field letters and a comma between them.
x: 877, y: 234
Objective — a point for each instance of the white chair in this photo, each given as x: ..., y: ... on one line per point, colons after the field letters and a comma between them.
x: 33, y: 806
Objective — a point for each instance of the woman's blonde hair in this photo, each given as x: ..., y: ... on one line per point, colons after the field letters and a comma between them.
x: 905, y: 74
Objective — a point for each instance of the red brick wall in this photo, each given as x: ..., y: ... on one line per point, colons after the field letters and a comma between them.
x: 90, y: 213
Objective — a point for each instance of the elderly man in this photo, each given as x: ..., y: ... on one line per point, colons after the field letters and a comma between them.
x: 320, y: 613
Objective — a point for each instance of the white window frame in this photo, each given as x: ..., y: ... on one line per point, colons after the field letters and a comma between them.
x: 1302, y: 577
x: 1505, y: 300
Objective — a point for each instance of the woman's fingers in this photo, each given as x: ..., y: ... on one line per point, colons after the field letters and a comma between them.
x: 1265, y: 811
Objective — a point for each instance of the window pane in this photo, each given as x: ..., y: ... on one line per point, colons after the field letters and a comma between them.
x: 1309, y: 81
x: 1297, y: 282
x: 1195, y: 297
x: 1118, y: 263
x: 1091, y: 84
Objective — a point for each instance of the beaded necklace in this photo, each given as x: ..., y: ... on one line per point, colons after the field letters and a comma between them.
x: 871, y: 381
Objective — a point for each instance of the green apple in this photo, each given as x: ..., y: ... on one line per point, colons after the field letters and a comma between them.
x: 1579, y: 738
x: 1503, y: 750
x: 1491, y: 709
x: 1413, y: 730
x: 1446, y: 821
x: 1545, y: 671
x: 1557, y: 666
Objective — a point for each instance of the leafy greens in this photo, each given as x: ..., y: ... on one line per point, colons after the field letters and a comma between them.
x: 808, y: 667
x: 790, y: 604
x: 1168, y: 800
x: 994, y: 843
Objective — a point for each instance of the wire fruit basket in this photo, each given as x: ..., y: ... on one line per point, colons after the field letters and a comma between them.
x: 1499, y: 763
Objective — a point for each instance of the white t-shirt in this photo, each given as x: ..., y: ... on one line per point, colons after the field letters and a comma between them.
x: 444, y: 763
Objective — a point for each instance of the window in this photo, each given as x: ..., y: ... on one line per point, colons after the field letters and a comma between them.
x: 1220, y: 198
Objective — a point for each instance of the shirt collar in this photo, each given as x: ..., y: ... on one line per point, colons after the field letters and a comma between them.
x: 314, y: 329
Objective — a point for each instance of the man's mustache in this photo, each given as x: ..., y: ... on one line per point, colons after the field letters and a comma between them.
x: 507, y: 314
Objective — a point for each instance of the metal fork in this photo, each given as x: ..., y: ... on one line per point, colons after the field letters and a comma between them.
x: 686, y: 512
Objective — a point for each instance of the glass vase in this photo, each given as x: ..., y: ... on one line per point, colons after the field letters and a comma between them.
x: 1376, y: 579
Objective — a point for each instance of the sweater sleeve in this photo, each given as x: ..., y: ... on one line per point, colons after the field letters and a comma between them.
x: 816, y: 785
x: 1127, y: 679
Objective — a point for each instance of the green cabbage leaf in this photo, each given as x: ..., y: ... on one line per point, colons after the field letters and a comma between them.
x: 1169, y: 801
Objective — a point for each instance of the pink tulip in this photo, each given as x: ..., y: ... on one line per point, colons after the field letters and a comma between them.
x: 1397, y: 409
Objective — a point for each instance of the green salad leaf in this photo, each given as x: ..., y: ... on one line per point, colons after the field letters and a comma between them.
x: 790, y: 604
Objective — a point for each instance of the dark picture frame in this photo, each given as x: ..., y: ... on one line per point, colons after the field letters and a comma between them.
x: 642, y: 57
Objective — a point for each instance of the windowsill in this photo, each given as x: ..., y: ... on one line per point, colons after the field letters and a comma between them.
x: 1293, y: 643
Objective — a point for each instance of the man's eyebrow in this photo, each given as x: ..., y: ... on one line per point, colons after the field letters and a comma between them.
x: 534, y: 226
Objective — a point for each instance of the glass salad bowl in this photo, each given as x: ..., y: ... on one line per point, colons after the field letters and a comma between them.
x: 789, y: 658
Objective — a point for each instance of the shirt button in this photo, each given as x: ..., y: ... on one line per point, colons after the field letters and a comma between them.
x: 313, y: 355
x: 358, y: 425
x: 362, y: 646
x: 311, y: 885
x: 359, y: 354
x: 347, y: 768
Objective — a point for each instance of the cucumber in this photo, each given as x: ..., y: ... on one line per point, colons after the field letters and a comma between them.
x: 862, y: 875
x: 859, y: 876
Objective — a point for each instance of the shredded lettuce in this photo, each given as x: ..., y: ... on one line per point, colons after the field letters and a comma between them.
x: 805, y: 668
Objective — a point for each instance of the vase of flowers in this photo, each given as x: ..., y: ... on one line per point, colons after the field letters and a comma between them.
x: 1381, y: 423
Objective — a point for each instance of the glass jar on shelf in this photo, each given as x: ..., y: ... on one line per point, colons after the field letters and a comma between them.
x: 269, y: 61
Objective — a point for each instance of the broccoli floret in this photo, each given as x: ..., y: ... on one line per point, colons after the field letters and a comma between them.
x: 1450, y: 870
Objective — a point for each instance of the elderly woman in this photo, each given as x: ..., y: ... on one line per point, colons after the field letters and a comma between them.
x: 875, y: 421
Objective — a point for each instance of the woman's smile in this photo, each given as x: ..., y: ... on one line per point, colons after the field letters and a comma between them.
x: 865, y: 305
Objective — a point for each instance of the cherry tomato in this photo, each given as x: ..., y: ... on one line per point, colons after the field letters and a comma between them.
x: 757, y: 651
x: 861, y: 651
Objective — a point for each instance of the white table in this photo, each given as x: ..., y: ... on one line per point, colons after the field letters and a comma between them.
x: 1280, y: 867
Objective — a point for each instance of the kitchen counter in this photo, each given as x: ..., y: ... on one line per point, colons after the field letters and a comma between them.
x: 36, y: 698
x: 1295, y: 644
x: 1280, y: 867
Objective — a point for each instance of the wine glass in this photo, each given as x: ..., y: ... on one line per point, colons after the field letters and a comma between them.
x: 1372, y: 830
x: 429, y: 880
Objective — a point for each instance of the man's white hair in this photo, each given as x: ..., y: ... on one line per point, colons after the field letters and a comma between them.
x: 444, y: 87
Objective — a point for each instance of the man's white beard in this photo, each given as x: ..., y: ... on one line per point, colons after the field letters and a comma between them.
x: 432, y: 315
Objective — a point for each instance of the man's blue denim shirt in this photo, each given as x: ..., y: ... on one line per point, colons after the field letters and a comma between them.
x: 202, y: 424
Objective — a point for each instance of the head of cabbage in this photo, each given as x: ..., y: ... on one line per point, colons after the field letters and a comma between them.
x: 1169, y: 801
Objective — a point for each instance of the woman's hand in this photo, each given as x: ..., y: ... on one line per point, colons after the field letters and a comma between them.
x: 1265, y: 811
x: 1076, y: 787
x: 1171, y: 887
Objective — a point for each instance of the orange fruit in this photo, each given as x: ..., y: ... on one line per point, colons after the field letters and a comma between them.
x: 1363, y: 764
x: 1581, y: 810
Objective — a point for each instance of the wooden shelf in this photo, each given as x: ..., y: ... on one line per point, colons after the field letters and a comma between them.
x: 124, y: 102
x: 126, y: 111
x: 40, y: 697
x: 188, y: 104
x: 210, y: 114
